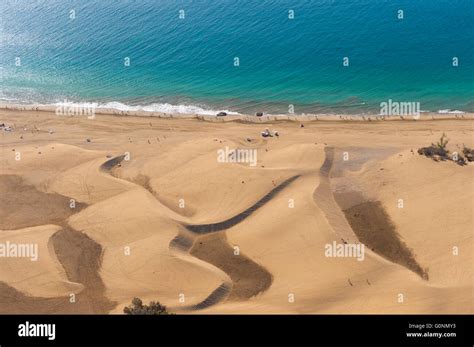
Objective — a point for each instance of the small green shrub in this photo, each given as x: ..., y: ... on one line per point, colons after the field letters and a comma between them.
x: 443, y: 142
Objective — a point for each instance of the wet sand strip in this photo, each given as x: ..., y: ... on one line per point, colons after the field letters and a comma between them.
x: 375, y: 229
x: 210, y: 228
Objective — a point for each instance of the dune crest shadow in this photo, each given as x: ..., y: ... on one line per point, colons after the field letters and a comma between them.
x: 229, y: 223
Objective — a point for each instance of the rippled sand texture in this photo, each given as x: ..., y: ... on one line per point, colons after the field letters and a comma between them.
x: 157, y: 216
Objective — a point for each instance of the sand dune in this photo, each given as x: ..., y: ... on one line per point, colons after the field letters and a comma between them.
x: 42, y: 277
x: 23, y: 205
x: 437, y: 212
x: 158, y: 216
x: 229, y: 223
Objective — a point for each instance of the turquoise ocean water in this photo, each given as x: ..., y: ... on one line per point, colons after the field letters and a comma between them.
x: 187, y: 64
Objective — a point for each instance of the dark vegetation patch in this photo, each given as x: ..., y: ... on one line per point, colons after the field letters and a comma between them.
x: 440, y: 152
x: 137, y: 307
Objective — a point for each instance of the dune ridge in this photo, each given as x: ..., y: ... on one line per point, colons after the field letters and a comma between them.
x: 229, y: 223
x: 215, y: 250
x: 78, y: 255
x: 130, y: 237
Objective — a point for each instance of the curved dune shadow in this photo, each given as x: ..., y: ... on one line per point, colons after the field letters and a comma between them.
x: 218, y: 295
x: 229, y: 223
x: 181, y: 243
x: 80, y: 257
x: 248, y: 277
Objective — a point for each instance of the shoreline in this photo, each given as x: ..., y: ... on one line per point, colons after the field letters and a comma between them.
x: 246, y: 118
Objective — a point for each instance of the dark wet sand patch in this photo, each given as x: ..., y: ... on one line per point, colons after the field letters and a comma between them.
x: 112, y: 163
x: 374, y: 228
x: 13, y: 301
x: 23, y: 205
x: 369, y: 221
x: 210, y: 228
x: 182, y: 242
x: 80, y: 257
x: 248, y: 277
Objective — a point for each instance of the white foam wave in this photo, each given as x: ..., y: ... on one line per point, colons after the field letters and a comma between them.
x: 121, y: 107
x: 450, y: 111
x: 160, y: 108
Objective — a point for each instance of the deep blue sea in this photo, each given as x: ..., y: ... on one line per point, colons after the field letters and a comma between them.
x: 182, y: 54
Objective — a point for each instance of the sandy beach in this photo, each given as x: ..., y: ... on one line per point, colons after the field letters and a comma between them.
x: 150, y: 207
